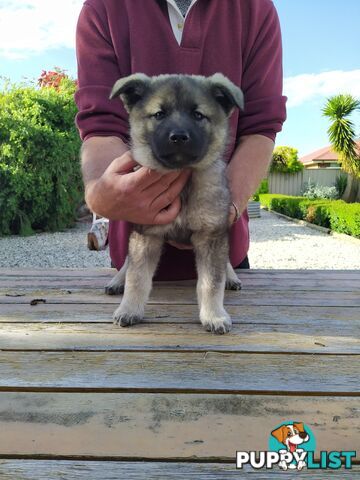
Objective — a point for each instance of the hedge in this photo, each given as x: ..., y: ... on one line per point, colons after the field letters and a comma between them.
x: 262, y: 188
x: 334, y: 214
x: 40, y: 180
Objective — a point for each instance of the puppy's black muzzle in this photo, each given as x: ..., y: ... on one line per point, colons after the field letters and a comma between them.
x: 179, y: 137
x: 178, y: 146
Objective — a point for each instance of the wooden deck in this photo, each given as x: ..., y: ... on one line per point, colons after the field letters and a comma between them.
x: 81, y: 398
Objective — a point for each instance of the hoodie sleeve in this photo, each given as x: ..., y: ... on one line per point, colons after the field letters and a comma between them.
x: 262, y: 80
x: 98, y: 69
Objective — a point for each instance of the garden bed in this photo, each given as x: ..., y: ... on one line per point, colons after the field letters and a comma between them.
x: 335, y: 215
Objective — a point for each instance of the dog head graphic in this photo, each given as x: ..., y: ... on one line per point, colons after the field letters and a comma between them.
x: 292, y: 436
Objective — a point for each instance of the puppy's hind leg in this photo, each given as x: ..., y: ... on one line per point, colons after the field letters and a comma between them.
x: 232, y: 280
x: 116, y: 284
x: 211, y: 255
x: 144, y: 255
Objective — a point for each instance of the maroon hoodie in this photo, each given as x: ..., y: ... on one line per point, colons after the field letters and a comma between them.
x: 239, y: 38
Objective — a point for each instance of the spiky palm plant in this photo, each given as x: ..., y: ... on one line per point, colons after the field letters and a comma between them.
x: 341, y: 131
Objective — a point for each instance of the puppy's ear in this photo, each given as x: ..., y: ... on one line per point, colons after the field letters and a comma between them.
x: 299, y: 426
x: 280, y: 434
x: 131, y: 89
x: 226, y: 93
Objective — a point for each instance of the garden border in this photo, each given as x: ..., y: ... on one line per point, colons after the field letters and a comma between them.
x: 325, y: 230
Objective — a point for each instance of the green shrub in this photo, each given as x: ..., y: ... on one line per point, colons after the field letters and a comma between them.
x: 334, y: 214
x: 341, y: 184
x: 40, y: 180
x: 266, y: 199
x: 322, y: 217
x: 345, y: 218
x: 314, y: 190
x: 262, y: 188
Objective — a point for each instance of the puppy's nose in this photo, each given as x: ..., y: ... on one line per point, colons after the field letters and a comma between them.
x: 179, y: 136
x: 302, y: 435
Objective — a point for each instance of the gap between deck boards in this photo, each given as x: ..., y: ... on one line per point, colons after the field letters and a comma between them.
x: 182, y: 391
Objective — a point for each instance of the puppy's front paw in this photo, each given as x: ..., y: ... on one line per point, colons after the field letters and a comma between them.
x: 233, y: 285
x: 114, y: 289
x: 125, y: 319
x: 283, y: 465
x: 301, y: 465
x: 219, y: 324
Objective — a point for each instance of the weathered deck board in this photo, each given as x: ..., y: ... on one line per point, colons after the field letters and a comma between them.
x: 250, y: 282
x: 186, y: 295
x: 94, y: 470
x: 172, y: 370
x: 74, y: 386
x: 334, y: 317
x: 308, y: 337
x: 179, y: 371
x: 105, y: 272
x: 155, y: 425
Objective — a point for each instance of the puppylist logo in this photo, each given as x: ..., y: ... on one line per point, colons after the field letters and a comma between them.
x: 292, y: 447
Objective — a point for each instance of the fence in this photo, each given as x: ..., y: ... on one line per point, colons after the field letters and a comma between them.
x: 293, y: 183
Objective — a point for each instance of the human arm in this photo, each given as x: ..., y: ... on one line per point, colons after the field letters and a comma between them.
x: 264, y: 111
x: 112, y: 188
x: 247, y: 167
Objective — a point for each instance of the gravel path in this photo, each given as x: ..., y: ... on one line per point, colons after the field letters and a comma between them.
x: 279, y: 243
x: 275, y: 243
x: 50, y: 250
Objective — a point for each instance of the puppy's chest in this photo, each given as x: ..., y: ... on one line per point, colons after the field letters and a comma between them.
x: 204, y: 207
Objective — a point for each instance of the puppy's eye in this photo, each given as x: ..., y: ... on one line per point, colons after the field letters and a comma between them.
x: 159, y: 115
x: 198, y: 115
x: 289, y: 434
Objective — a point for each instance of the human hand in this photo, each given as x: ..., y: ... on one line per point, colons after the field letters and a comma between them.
x: 143, y: 196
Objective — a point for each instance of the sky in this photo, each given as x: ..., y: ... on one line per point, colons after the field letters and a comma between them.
x: 321, y: 44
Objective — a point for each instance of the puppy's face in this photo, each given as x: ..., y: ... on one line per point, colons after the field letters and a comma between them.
x: 291, y: 435
x: 178, y: 121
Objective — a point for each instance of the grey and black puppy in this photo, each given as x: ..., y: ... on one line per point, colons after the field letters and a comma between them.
x: 176, y: 122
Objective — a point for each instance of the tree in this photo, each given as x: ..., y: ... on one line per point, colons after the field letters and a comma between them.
x: 342, y: 133
x: 285, y: 160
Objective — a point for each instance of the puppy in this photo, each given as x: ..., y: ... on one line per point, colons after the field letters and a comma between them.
x: 176, y: 122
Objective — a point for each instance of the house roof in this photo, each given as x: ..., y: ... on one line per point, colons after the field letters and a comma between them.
x: 325, y: 154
